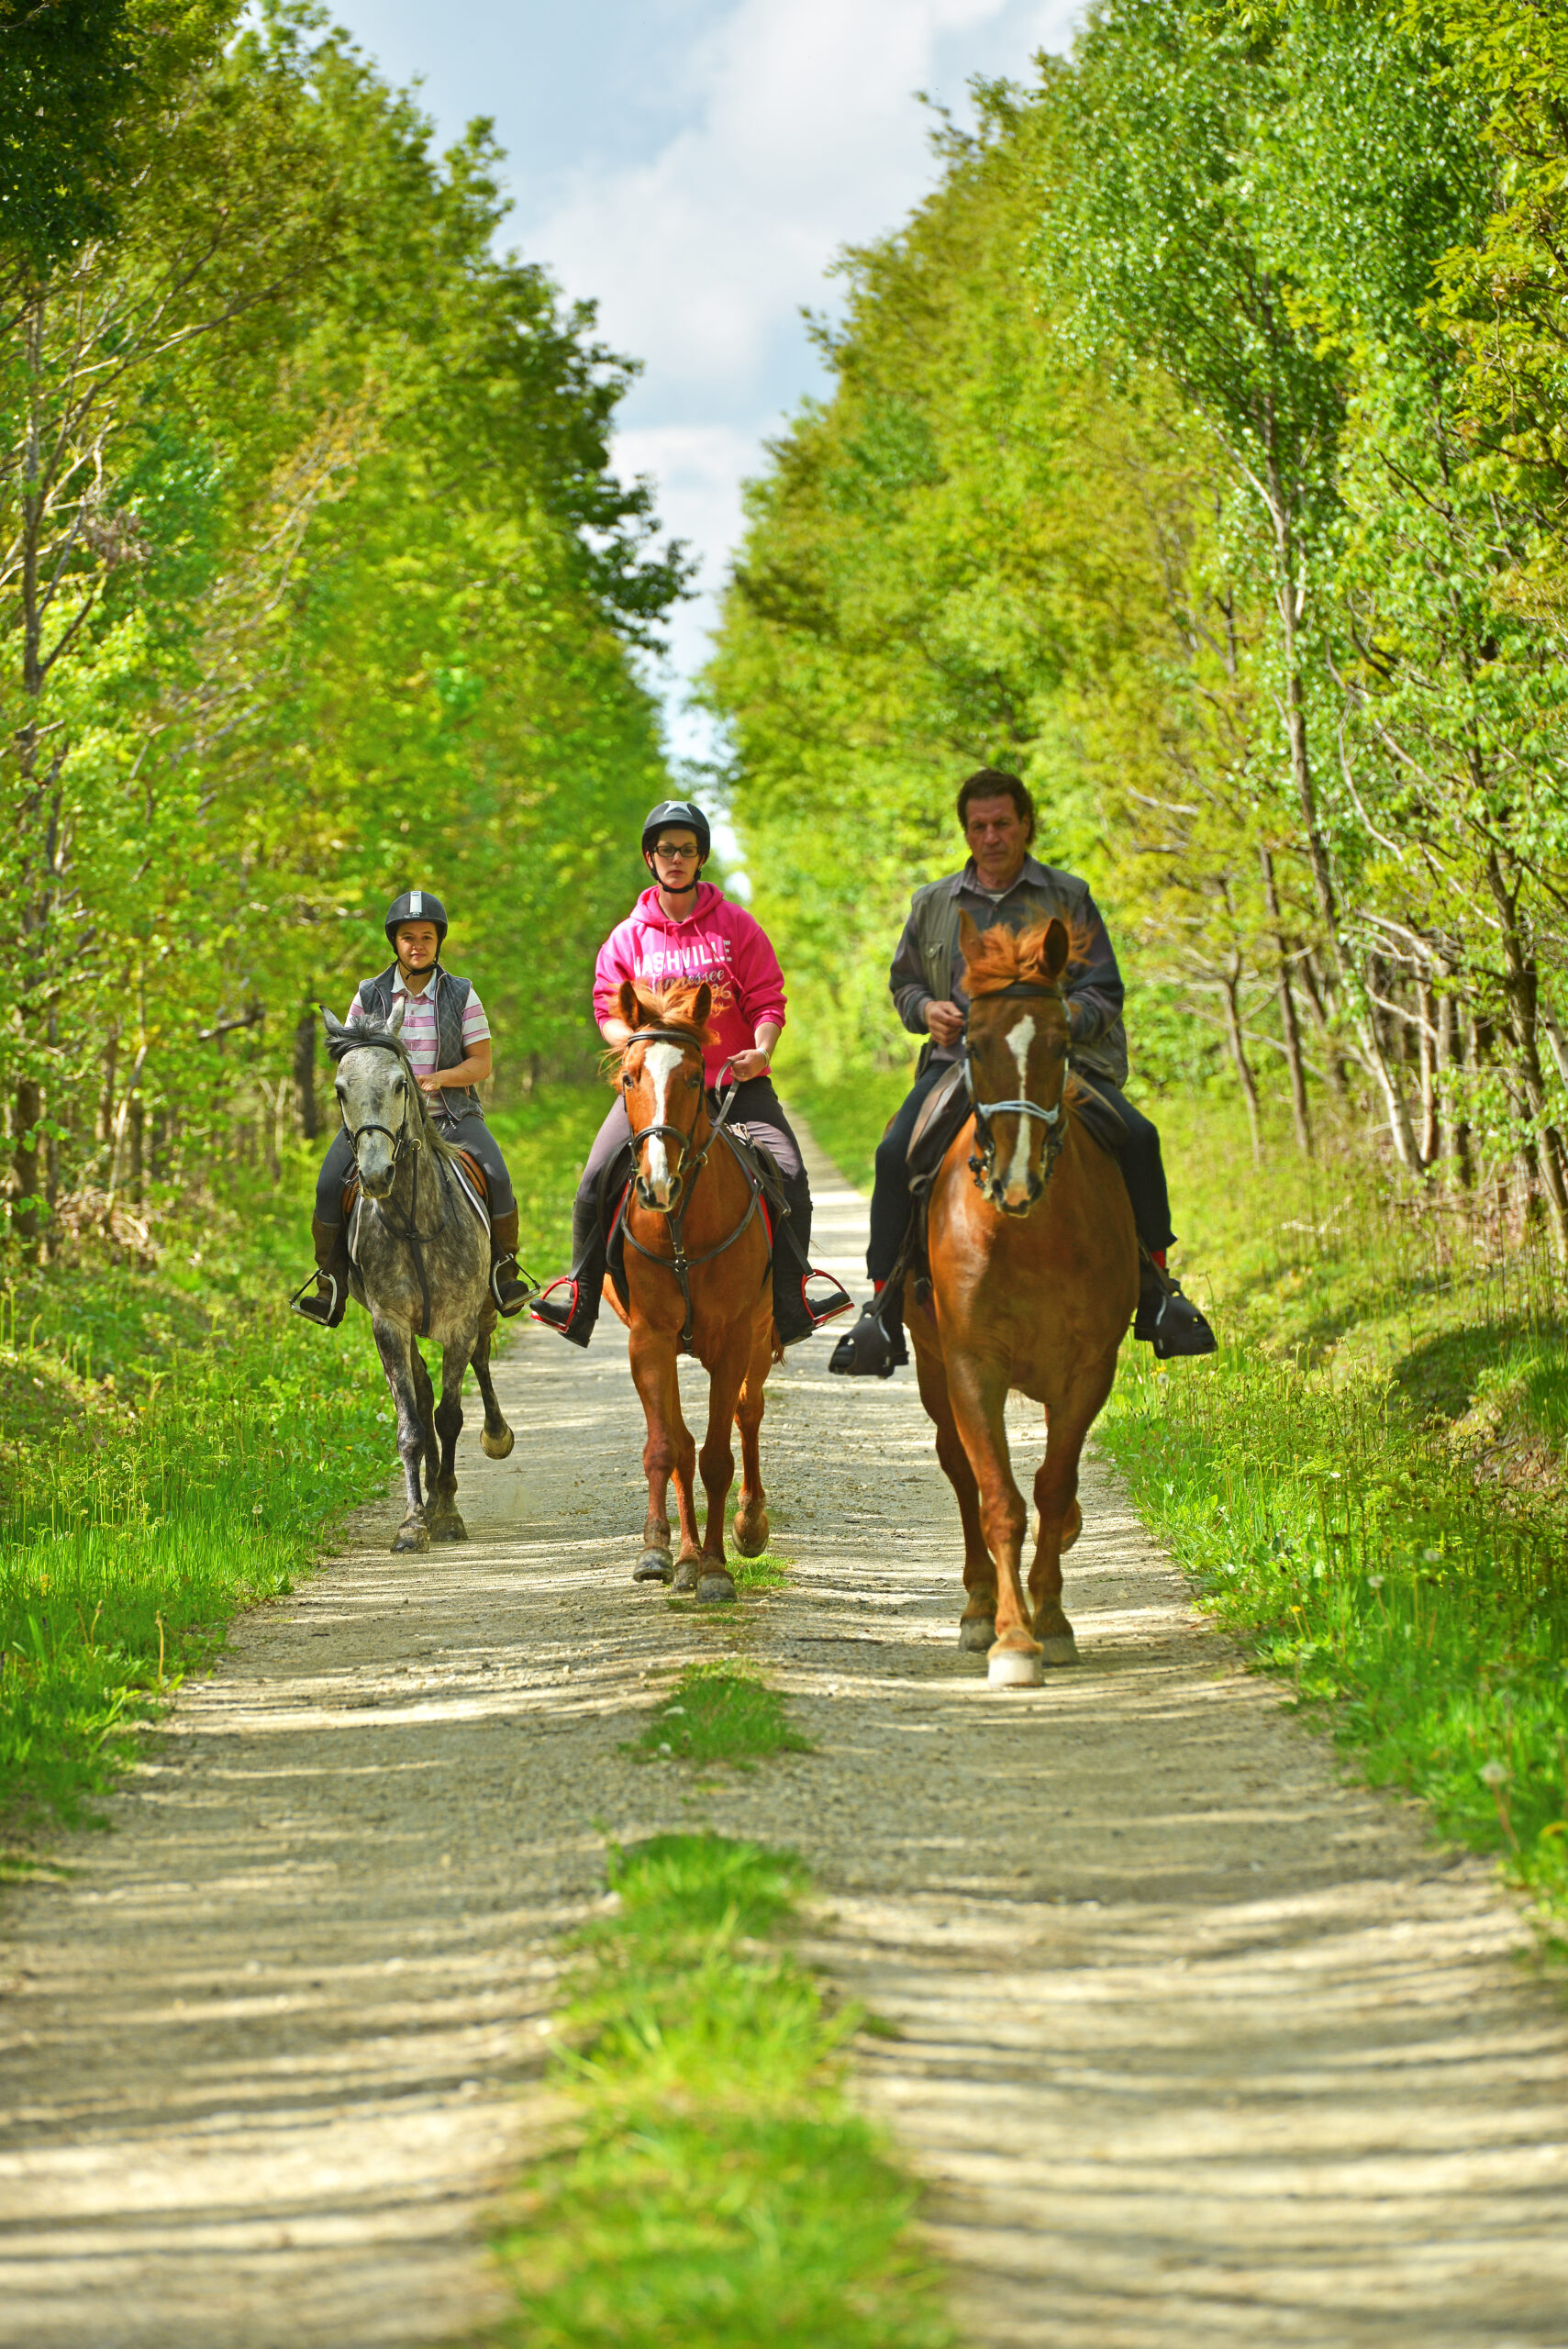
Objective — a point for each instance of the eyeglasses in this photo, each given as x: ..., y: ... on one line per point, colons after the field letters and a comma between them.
x: 670, y: 854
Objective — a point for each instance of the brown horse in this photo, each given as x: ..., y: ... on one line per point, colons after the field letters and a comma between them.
x: 1034, y: 1279
x: 698, y: 1273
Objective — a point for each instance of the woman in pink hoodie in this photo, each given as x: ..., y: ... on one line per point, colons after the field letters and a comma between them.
x: 683, y: 927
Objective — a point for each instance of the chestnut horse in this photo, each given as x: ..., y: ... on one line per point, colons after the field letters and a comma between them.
x: 1034, y: 1279
x: 697, y: 1269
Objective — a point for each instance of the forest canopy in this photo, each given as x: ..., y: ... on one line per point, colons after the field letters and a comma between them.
x: 1198, y: 450
x: 317, y: 583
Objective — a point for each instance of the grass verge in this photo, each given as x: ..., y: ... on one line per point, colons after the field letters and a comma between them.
x: 717, y: 1712
x: 176, y: 1444
x: 718, y: 2190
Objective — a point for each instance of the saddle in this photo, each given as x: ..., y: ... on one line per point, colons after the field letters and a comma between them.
x: 945, y: 1112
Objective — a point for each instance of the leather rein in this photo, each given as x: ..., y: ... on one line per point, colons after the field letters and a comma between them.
x: 400, y: 1141
x: 982, y: 1161
x: 687, y: 1173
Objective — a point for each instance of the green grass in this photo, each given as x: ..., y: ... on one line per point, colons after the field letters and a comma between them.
x: 176, y: 1446
x: 847, y: 1115
x: 767, y: 1572
x: 718, y: 1712
x: 718, y: 2191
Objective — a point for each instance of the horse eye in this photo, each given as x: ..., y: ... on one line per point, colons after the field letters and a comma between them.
x: 694, y: 1082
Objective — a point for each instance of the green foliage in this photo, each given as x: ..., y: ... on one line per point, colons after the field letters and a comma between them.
x: 720, y: 2190
x: 718, y: 1712
x: 317, y: 582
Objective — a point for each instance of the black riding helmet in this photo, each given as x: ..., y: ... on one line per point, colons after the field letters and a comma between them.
x: 672, y: 812
x: 416, y: 905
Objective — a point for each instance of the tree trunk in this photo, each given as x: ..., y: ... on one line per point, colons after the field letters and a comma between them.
x: 29, y: 1109
x: 1288, y: 1024
x: 304, y: 1074
x: 1545, y: 1159
x: 1431, y: 1129
x: 1229, y: 988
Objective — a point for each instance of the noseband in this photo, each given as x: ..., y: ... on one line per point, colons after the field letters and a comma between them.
x: 982, y: 1161
x: 399, y: 1139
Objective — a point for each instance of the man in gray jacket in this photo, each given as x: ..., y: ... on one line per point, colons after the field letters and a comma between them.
x: 1003, y: 883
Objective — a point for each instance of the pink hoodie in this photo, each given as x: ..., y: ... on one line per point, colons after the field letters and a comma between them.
x: 717, y: 941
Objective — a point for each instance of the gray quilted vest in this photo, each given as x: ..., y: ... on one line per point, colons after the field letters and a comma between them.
x: 452, y: 1000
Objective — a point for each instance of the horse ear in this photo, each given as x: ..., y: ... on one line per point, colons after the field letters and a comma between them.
x: 1055, y: 951
x: 703, y: 1005
x: 630, y: 1009
x: 969, y: 936
x: 333, y: 1026
x: 398, y: 1008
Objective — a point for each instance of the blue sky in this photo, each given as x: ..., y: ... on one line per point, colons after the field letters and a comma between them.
x: 693, y: 165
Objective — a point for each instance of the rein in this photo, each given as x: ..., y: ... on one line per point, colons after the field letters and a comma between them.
x: 679, y: 1264
x: 982, y: 1161
x: 400, y: 1140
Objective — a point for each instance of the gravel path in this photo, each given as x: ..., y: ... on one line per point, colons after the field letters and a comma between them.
x: 1197, y: 2044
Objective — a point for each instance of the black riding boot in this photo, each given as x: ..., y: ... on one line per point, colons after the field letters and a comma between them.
x: 1169, y: 1321
x: 796, y: 1313
x: 509, y: 1287
x: 874, y: 1348
x: 571, y: 1303
x: 325, y: 1307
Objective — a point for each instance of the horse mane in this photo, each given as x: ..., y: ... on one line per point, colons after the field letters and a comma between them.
x: 672, y: 1006
x: 1003, y: 956
x: 376, y: 1032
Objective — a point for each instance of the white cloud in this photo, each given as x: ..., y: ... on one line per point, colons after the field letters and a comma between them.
x: 803, y: 135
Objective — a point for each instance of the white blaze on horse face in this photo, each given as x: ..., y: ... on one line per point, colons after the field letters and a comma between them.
x: 661, y: 1061
x: 1020, y: 1035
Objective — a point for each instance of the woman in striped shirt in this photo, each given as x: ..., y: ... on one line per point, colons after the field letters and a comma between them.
x: 447, y: 1038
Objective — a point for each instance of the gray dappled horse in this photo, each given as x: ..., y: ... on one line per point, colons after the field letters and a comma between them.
x: 421, y: 1269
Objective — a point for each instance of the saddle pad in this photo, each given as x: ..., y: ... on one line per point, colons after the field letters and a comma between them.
x: 474, y: 1169
x: 943, y: 1113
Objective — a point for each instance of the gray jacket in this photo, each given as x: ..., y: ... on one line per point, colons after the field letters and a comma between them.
x: 929, y: 967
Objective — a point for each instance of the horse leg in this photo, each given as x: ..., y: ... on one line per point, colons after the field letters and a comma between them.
x: 717, y: 1461
x: 751, y: 1528
x: 446, y: 1525
x: 977, y: 1624
x: 497, y: 1440
x: 394, y: 1344
x: 426, y: 1392
x: 1060, y: 1519
x: 978, y: 1390
x: 669, y: 1451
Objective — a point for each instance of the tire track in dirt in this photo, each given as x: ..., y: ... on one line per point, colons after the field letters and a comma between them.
x: 1198, y: 2043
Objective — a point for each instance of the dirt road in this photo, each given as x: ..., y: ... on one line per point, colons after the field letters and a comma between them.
x: 1199, y: 2043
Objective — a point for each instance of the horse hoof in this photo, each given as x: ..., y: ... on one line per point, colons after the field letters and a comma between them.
x: 454, y: 1530
x: 686, y: 1575
x: 1011, y: 1668
x: 411, y: 1535
x: 1060, y: 1649
x: 652, y: 1567
x: 715, y: 1584
x: 976, y: 1633
x: 497, y: 1447
x: 750, y: 1540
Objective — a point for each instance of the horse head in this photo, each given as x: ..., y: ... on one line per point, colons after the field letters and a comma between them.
x: 662, y: 1082
x: 1016, y: 1056
x: 378, y: 1096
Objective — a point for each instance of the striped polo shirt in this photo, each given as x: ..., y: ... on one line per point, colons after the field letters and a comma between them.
x: 419, y: 1022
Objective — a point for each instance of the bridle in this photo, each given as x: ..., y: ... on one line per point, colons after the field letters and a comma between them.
x: 982, y: 1160
x: 400, y: 1140
x: 684, y: 1180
